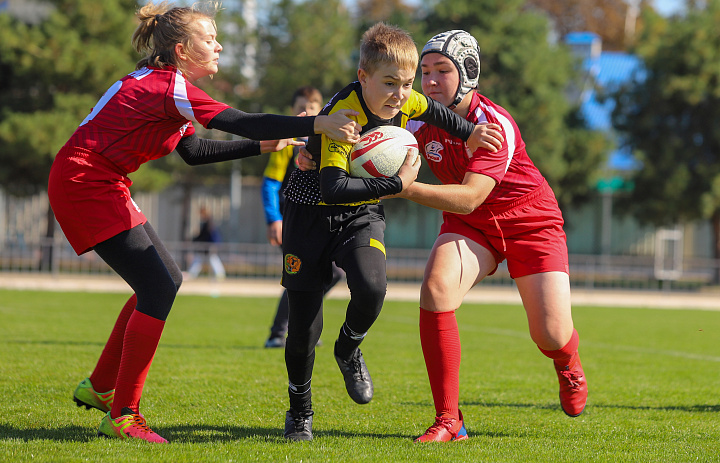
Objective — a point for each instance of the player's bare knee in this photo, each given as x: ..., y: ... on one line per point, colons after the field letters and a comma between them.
x: 436, y: 287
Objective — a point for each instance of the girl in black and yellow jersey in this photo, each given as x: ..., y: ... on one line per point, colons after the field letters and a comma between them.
x: 332, y: 217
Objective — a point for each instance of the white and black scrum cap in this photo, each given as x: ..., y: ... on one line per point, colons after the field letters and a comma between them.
x: 463, y: 50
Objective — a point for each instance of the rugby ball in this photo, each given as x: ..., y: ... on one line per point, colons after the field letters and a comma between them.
x: 381, y: 152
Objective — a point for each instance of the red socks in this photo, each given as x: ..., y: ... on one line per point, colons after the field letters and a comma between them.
x: 126, y: 358
x: 105, y: 373
x: 565, y: 355
x: 440, y: 339
x: 142, y: 336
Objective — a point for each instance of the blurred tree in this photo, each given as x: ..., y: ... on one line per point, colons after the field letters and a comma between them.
x: 527, y: 74
x: 52, y: 75
x: 670, y: 116
x: 615, y: 21
x: 384, y: 10
x: 306, y: 43
x: 395, y: 12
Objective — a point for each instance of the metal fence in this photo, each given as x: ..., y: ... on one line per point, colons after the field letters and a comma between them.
x: 246, y: 260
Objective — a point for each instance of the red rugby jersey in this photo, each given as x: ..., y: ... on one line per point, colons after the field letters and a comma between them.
x: 143, y: 116
x: 449, y: 160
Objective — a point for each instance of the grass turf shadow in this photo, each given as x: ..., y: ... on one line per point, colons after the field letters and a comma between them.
x: 189, y: 433
x: 64, y: 433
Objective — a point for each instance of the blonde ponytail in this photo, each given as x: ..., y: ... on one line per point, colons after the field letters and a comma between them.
x: 162, y: 26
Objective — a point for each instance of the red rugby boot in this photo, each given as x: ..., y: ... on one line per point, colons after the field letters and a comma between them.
x: 445, y: 430
x: 129, y: 425
x: 573, y: 386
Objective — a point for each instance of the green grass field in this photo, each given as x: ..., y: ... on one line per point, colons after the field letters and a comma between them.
x: 218, y: 395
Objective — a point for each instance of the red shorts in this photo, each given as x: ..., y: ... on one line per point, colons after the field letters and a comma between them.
x: 528, y: 232
x: 91, y: 199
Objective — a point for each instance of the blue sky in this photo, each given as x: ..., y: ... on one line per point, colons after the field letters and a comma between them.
x: 668, y: 7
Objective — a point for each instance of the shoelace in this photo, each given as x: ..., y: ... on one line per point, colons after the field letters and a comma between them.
x: 140, y: 422
x: 300, y: 423
x: 572, y: 378
x: 440, y: 424
x: 357, y: 366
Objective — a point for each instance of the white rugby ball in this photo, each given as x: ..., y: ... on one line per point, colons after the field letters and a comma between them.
x: 381, y: 151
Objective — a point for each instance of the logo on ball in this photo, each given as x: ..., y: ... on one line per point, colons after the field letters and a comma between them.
x: 381, y: 152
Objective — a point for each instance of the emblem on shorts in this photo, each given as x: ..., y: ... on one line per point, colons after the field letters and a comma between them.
x: 292, y: 264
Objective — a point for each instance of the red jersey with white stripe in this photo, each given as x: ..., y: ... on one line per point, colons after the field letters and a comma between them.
x: 448, y: 157
x: 143, y: 116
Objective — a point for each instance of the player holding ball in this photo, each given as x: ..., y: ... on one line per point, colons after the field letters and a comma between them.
x: 496, y: 206
x: 331, y: 216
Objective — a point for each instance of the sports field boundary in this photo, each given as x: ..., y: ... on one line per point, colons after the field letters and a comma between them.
x: 247, y: 287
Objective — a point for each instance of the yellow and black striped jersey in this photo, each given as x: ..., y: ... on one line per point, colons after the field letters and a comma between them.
x: 304, y: 186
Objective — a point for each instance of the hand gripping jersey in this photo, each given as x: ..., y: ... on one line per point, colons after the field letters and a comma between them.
x: 448, y: 158
x: 304, y: 186
x: 143, y: 117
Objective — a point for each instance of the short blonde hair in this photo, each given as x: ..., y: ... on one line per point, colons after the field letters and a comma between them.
x: 385, y: 44
x: 162, y: 26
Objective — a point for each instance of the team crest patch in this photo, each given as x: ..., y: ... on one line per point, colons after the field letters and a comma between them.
x: 432, y: 151
x: 292, y: 264
x: 338, y: 148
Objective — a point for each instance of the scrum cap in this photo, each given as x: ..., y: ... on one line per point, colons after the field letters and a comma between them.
x: 464, y: 52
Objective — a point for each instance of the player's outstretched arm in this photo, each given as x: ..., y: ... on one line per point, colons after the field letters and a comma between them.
x: 270, y: 146
x: 259, y: 126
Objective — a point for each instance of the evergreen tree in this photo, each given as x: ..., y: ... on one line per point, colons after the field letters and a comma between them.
x: 309, y: 42
x: 523, y: 71
x: 669, y: 116
x: 52, y: 75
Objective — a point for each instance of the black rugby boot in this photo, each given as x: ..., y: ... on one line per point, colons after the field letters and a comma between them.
x: 358, y: 383
x: 298, y: 425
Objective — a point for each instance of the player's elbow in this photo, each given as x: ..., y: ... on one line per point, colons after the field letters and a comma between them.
x: 472, y: 198
x: 465, y: 209
x: 469, y: 205
x: 191, y: 161
x: 329, y: 197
